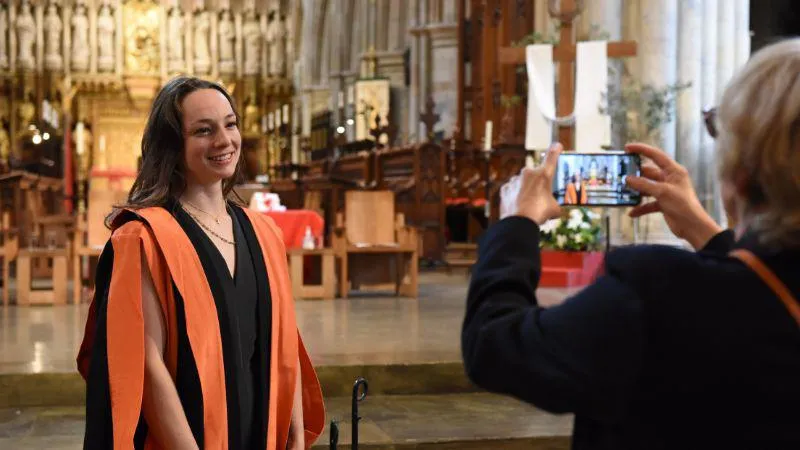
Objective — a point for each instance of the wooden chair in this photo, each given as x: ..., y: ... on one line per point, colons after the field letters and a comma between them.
x: 9, y: 248
x: 369, y: 230
x: 47, y: 230
x: 312, y: 200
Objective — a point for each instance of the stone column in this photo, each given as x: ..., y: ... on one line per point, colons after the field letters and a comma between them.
x: 444, y: 83
x: 658, y: 62
x: 726, y: 66
x: 726, y: 45
x: 390, y: 65
x: 417, y: 65
x: 708, y: 90
x: 543, y: 23
x: 742, y: 32
x: 690, y: 102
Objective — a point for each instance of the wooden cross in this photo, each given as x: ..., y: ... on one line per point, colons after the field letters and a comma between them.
x: 376, y: 132
x: 564, y: 53
x: 429, y: 118
x: 390, y: 130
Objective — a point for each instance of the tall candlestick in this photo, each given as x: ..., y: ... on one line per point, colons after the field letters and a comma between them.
x: 79, y: 142
x: 487, y: 136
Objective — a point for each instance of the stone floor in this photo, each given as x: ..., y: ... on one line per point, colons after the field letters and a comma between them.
x: 460, y: 421
x: 391, y: 339
x: 364, y: 329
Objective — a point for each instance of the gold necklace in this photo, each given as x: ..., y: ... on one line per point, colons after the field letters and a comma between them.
x: 216, y: 219
x: 199, y: 222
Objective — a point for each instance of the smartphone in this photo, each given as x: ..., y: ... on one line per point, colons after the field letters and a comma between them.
x: 596, y: 179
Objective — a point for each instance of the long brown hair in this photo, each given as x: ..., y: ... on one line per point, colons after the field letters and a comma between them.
x: 161, y: 179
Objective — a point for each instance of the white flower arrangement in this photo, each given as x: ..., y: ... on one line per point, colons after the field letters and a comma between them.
x: 577, y: 230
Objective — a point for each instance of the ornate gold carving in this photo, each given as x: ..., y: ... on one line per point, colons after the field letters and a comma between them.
x: 141, y: 23
x: 5, y: 143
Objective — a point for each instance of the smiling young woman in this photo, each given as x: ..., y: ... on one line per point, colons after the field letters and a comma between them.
x: 193, y: 307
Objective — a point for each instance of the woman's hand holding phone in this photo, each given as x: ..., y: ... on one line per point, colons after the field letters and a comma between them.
x: 669, y: 183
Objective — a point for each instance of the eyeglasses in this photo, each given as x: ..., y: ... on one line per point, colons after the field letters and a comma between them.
x: 710, y: 119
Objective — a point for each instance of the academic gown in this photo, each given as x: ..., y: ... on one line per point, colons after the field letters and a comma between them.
x: 572, y: 195
x: 203, y: 350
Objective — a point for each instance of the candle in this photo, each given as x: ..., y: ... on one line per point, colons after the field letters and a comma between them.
x: 79, y: 149
x: 487, y: 136
x: 270, y: 121
x: 286, y: 113
x: 277, y: 118
x: 350, y: 95
x: 102, y: 143
x: 341, y: 99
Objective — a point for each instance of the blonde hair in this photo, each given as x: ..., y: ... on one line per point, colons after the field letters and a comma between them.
x: 759, y: 140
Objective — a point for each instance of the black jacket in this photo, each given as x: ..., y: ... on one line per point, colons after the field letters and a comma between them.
x: 667, y: 349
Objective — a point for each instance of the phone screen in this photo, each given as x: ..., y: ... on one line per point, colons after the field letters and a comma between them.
x: 596, y: 179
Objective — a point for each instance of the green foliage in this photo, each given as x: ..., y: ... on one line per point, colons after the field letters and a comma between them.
x: 578, y: 229
x: 535, y: 38
x: 641, y: 110
x: 510, y: 102
x: 596, y: 33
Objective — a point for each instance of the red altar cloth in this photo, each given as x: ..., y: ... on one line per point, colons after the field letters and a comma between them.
x: 293, y: 223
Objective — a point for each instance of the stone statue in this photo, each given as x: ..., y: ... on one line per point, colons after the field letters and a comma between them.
x: 276, y: 37
x: 175, y: 58
x: 251, y: 31
x: 227, y: 35
x: 80, y: 39
x: 26, y: 35
x: 202, y: 57
x: 3, y: 36
x: 105, y: 39
x: 52, y: 28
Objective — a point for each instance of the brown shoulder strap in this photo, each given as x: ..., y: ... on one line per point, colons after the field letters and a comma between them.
x: 771, y: 280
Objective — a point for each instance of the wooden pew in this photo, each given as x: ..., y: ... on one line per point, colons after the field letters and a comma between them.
x: 507, y: 161
x: 466, y: 199
x: 328, y: 179
x: 416, y: 175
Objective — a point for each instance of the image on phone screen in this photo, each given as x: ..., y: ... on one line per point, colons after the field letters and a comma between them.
x: 596, y: 179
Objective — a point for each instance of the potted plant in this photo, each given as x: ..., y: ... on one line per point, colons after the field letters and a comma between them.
x: 570, y: 246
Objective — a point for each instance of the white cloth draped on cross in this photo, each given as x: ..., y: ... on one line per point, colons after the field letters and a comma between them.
x: 592, y: 125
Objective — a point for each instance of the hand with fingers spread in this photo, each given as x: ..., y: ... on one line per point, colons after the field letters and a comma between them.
x: 530, y: 194
x: 669, y: 183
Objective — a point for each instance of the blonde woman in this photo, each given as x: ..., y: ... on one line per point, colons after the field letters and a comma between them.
x: 668, y: 348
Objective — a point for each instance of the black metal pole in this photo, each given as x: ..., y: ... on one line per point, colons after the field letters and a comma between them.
x: 357, y: 397
x: 334, y: 435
